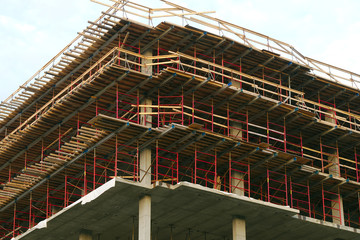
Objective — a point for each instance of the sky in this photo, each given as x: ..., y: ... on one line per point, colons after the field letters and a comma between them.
x: 33, y: 31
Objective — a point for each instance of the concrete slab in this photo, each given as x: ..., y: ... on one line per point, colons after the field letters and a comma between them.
x: 112, y: 211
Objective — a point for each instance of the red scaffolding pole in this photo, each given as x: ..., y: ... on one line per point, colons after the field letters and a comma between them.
x: 127, y: 161
x: 167, y: 166
x: 239, y: 173
x: 300, y: 197
x: 205, y: 169
x: 332, y: 209
x: 277, y: 189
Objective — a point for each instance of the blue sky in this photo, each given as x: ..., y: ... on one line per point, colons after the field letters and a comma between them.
x: 33, y: 31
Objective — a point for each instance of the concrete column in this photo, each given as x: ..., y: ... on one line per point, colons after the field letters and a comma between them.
x: 145, y: 166
x: 145, y: 154
x: 145, y: 218
x: 235, y: 131
x: 336, y: 213
x: 147, y: 69
x: 337, y: 208
x: 239, y: 228
x: 237, y: 183
x: 85, y: 235
x: 146, y: 119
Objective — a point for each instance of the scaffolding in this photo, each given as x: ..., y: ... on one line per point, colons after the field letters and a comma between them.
x: 251, y: 126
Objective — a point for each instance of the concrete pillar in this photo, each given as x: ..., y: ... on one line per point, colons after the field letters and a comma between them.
x: 238, y: 228
x: 147, y: 69
x: 145, y: 166
x: 85, y: 235
x: 145, y: 218
x: 145, y: 154
x: 337, y: 205
x: 235, y: 131
x: 237, y: 183
x: 338, y: 216
x: 146, y: 119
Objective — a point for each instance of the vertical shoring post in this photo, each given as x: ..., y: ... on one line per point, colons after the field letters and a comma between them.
x: 308, y: 192
x: 323, y: 201
x: 182, y: 108
x: 158, y: 53
x: 65, y: 192
x: 268, y: 185
x: 280, y: 88
x: 222, y: 69
x: 119, y: 48
x: 139, y: 60
x: 350, y: 118
x: 30, y: 210
x: 85, y: 180
x: 78, y: 124
x: 195, y: 165
x: 340, y: 208
x: 228, y: 119
x: 177, y: 167
x: 230, y: 172
x: 291, y: 194
x: 26, y: 159
x: 319, y: 101
x: 42, y: 149
x: 59, y: 143
x: 94, y: 168
x: 247, y: 125
x: 117, y: 100
x: 157, y: 162
x: 212, y: 115
x: 338, y: 159
x: 302, y: 150
x: 216, y: 171
x: 322, y: 157
x: 359, y: 207
x: 9, y: 173
x: 195, y: 60
x: 240, y: 68
x: 138, y: 107
x: 214, y: 56
x: 249, y: 179
x: 356, y: 165
x: 263, y: 84
x: 47, y: 200
x: 14, y: 220
x: 172, y: 173
x: 285, y: 143
x: 136, y: 167
x: 96, y: 108
x: 158, y: 110
x: 116, y: 156
x: 286, y: 189
x: 267, y: 129
x: 193, y: 108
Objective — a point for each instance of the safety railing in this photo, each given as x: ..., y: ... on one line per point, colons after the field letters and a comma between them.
x: 205, y: 169
x: 332, y: 209
x: 239, y: 177
x: 167, y: 166
x: 277, y: 189
x: 300, y: 197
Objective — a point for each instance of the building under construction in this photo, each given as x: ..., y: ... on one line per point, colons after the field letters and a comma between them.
x: 146, y: 129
